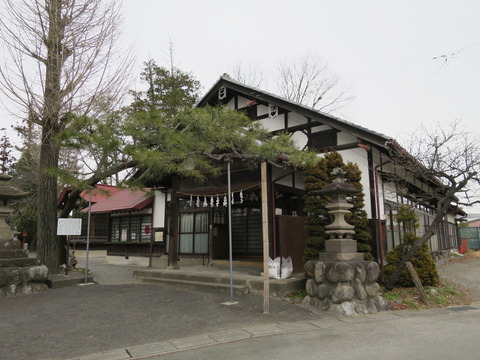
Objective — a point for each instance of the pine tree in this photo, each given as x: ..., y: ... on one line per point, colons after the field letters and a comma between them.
x: 315, y: 206
x: 358, y: 216
x: 318, y: 216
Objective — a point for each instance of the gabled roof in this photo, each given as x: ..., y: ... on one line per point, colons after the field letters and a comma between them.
x: 124, y: 200
x: 318, y: 117
x: 100, y: 193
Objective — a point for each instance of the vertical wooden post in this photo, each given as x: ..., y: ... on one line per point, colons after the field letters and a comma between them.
x: 173, y: 236
x: 266, y: 256
x: 417, y: 282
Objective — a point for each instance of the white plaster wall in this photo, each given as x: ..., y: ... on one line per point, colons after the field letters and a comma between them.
x: 273, y: 124
x: 320, y: 128
x: 287, y: 180
x: 359, y: 157
x: 295, y: 119
x: 344, y: 138
x: 159, y: 205
x: 262, y: 110
x: 389, y: 192
x: 242, y: 102
x: 231, y: 104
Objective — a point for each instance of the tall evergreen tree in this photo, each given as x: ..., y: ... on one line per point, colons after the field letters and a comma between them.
x: 358, y: 216
x: 317, y: 214
x: 315, y: 205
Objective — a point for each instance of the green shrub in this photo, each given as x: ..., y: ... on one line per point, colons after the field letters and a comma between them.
x: 422, y: 262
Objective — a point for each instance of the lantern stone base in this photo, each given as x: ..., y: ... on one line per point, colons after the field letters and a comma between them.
x: 346, y: 288
x: 19, y: 274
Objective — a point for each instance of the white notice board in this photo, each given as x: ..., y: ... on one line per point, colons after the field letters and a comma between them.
x: 69, y: 227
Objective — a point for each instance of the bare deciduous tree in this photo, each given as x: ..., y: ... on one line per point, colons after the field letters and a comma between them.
x: 251, y: 76
x: 62, y: 60
x: 309, y: 81
x: 448, y: 159
x: 306, y: 80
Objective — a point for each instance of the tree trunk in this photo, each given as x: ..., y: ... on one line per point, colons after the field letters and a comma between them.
x: 48, y: 247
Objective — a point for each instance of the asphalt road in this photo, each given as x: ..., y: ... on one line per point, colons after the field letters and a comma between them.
x: 434, y: 334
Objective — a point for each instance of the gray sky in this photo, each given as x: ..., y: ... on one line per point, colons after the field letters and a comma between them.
x: 383, y: 50
x: 407, y: 63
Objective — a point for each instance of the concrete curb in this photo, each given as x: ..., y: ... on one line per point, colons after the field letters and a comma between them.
x: 199, y: 341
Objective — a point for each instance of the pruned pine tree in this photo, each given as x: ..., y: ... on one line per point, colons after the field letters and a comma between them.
x: 315, y: 206
x: 62, y: 61
x: 161, y: 134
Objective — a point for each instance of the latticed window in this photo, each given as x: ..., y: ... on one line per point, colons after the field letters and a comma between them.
x: 136, y: 228
x: 194, y: 233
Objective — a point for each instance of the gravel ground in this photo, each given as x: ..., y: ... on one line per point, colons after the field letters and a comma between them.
x: 107, y: 274
x: 79, y: 320
x: 116, y: 313
x: 464, y: 272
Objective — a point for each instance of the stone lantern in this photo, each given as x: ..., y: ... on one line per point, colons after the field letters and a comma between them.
x: 7, y: 193
x: 340, y: 246
x: 19, y: 274
x: 341, y: 281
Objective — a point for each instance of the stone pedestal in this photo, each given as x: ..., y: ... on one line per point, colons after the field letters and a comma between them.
x: 344, y: 287
x: 19, y: 274
x: 341, y: 281
x: 6, y: 233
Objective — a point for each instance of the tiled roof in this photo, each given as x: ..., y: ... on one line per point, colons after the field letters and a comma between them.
x: 100, y: 193
x: 125, y: 199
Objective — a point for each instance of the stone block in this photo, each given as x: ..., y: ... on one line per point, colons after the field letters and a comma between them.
x: 340, y: 272
x: 310, y: 268
x: 319, y: 272
x: 13, y: 253
x: 343, y: 292
x: 361, y: 272
x: 35, y: 273
x: 323, y: 290
x: 4, y: 274
x: 372, y: 289
x: 311, y: 288
x: 341, y: 246
x: 360, y: 292
x: 373, y: 271
x: 351, y: 257
x: 18, y: 262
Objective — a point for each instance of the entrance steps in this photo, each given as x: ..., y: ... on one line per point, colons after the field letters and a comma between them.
x: 246, y: 279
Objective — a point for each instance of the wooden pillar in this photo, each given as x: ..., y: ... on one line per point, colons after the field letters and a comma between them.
x: 173, y: 236
x: 266, y: 247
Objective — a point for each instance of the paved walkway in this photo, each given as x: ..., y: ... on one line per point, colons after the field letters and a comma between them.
x: 140, y: 319
x: 322, y: 326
